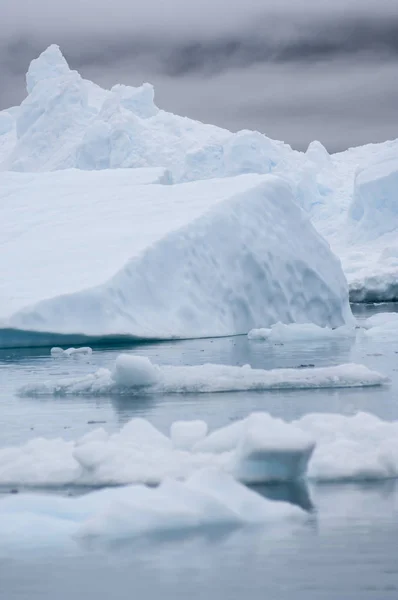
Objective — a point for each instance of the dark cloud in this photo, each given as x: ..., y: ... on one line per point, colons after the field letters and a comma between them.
x: 295, y: 69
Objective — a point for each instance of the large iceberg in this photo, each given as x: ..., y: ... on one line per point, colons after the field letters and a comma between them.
x: 104, y: 254
x: 67, y: 122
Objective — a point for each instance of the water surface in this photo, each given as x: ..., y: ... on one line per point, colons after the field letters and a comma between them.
x: 346, y: 550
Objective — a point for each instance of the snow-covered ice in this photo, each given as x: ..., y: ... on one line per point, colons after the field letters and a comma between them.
x: 258, y: 449
x: 137, y: 375
x: 199, y: 259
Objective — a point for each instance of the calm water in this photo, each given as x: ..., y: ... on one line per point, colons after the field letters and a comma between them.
x: 348, y: 550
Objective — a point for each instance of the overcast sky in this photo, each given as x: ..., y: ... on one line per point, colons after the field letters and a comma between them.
x: 296, y: 70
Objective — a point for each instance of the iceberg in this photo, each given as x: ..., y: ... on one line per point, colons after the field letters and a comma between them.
x: 102, y: 254
x: 138, y: 375
x: 359, y: 219
x: 67, y: 123
x: 280, y: 333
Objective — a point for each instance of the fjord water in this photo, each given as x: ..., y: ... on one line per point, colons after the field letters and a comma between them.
x: 347, y: 548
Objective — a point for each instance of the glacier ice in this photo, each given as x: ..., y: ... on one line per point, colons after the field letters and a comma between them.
x: 138, y: 375
x: 206, y: 258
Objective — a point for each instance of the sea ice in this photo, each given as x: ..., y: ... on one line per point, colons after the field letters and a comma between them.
x: 281, y: 332
x: 135, y: 374
x: 258, y: 449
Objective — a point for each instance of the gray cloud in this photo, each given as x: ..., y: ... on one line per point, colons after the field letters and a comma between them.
x: 295, y: 69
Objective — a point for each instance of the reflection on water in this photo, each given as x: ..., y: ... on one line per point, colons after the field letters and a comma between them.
x: 347, y: 551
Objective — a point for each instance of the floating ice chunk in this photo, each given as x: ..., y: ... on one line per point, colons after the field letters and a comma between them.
x: 59, y: 352
x: 271, y: 450
x: 261, y: 333
x: 297, y: 331
x: 134, y: 374
x: 207, y: 499
x: 185, y: 434
x: 361, y: 447
x: 382, y: 325
x: 257, y: 449
x: 381, y: 319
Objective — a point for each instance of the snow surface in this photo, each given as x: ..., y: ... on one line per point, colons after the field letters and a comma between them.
x: 137, y: 374
x: 259, y: 448
x: 199, y: 259
x: 207, y: 499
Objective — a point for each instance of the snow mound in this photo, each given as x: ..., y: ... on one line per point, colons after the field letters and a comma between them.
x: 206, y: 258
x: 136, y: 374
x: 280, y: 333
x: 257, y: 449
x: 207, y: 499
